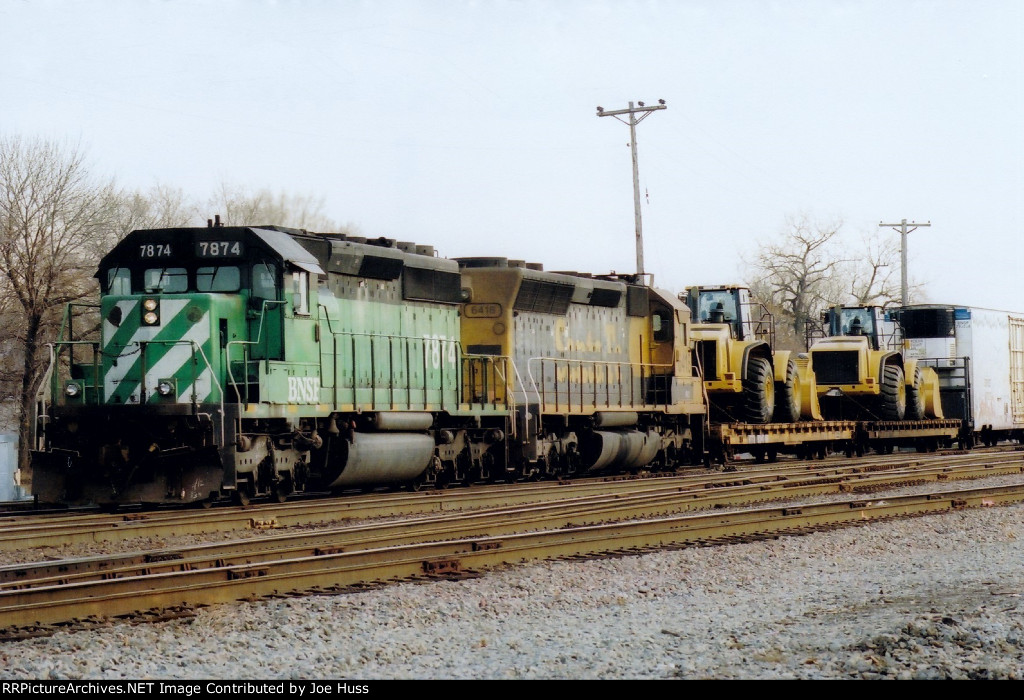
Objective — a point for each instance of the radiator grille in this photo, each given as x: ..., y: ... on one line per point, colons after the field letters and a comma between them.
x: 836, y: 367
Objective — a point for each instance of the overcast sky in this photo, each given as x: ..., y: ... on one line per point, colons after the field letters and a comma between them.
x: 471, y: 126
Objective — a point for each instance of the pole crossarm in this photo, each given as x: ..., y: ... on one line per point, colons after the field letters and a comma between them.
x: 902, y: 228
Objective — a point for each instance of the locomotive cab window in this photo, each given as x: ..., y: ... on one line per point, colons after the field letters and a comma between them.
x: 165, y: 280
x: 223, y: 278
x: 300, y: 292
x: 661, y: 326
x: 264, y: 281
x: 119, y: 281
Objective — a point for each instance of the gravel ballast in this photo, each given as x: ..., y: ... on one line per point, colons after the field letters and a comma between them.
x: 930, y: 597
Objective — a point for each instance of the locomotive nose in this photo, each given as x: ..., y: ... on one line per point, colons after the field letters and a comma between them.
x: 161, y: 350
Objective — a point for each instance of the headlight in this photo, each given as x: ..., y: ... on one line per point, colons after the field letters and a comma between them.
x: 165, y: 388
x: 72, y: 389
x: 150, y: 312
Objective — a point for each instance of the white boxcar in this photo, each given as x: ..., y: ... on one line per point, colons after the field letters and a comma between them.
x: 979, y: 355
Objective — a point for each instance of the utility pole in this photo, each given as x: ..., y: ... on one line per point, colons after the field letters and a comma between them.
x: 644, y: 112
x: 904, y: 291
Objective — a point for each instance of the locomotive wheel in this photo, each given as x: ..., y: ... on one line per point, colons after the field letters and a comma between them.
x: 894, y: 393
x: 915, y: 397
x: 787, y: 409
x: 758, y: 391
x: 283, y: 487
x: 243, y: 492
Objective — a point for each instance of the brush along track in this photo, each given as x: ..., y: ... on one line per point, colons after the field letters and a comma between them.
x: 751, y: 485
x: 464, y: 545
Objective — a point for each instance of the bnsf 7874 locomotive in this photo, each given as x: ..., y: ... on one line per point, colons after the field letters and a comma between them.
x: 255, y: 361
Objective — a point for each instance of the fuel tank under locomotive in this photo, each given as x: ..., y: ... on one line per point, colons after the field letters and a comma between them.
x: 394, y: 448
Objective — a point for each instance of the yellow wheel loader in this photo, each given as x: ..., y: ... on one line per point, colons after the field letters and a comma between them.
x: 744, y: 379
x: 862, y: 373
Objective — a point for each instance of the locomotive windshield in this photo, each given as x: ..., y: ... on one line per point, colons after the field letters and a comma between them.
x: 225, y: 278
x: 264, y: 280
x: 119, y: 281
x: 165, y: 280
x: 174, y: 280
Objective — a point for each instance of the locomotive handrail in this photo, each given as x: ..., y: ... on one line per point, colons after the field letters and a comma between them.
x: 245, y: 362
x: 509, y: 391
x: 407, y: 340
x: 390, y: 337
x: 48, y: 376
x: 41, y: 405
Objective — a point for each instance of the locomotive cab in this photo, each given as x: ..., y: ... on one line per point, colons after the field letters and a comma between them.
x: 141, y: 408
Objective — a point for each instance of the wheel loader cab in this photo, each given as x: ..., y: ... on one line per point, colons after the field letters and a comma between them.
x: 728, y: 305
x: 871, y: 322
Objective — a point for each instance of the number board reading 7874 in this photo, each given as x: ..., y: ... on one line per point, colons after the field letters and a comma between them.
x: 219, y: 249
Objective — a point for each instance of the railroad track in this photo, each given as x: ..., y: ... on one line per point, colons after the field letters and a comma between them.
x: 754, y: 484
x: 35, y: 597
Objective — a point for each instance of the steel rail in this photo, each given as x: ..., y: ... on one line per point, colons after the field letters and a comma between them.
x: 24, y: 533
x: 328, y: 567
x: 493, y: 521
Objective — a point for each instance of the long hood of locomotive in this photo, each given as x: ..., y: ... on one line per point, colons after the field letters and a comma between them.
x: 183, y: 348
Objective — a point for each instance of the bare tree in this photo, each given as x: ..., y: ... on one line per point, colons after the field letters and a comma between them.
x: 52, y: 217
x: 810, y: 267
x: 240, y: 207
x: 797, y: 276
x: 873, y: 274
x: 161, y: 206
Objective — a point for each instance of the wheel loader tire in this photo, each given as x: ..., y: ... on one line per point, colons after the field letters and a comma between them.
x: 894, y: 394
x: 758, y: 391
x: 915, y: 397
x: 787, y: 393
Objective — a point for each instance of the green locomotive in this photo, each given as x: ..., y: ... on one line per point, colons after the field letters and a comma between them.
x: 262, y: 361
